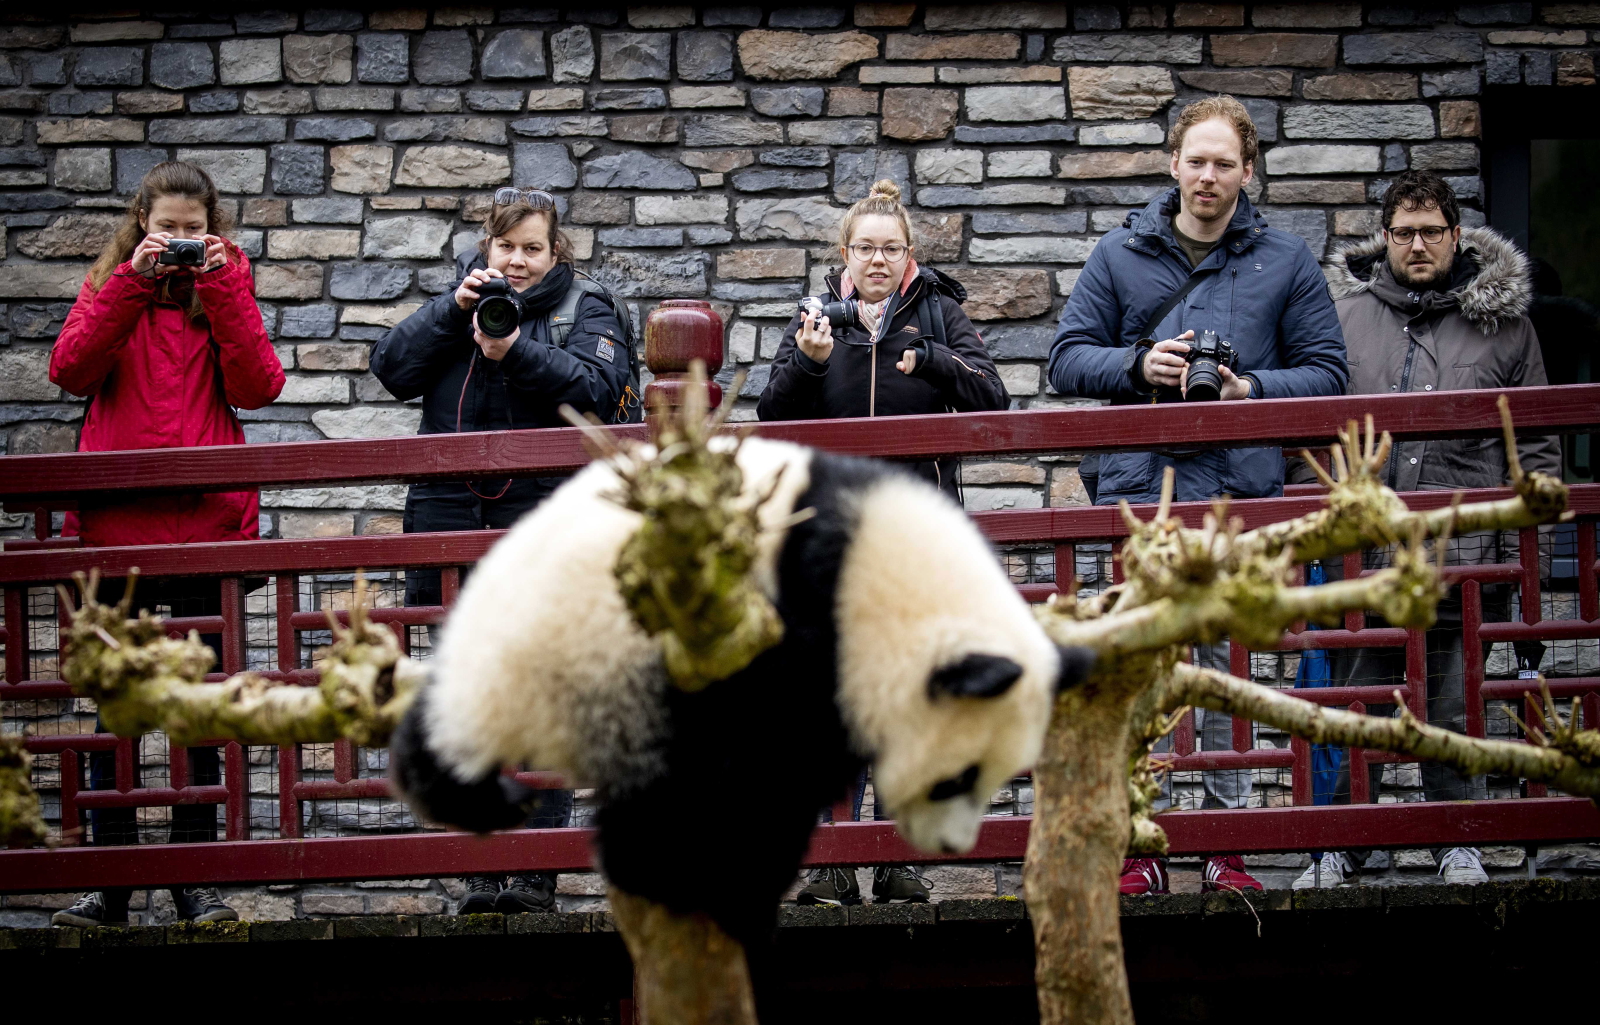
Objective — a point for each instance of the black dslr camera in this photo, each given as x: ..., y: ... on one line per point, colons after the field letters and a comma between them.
x: 1207, y: 355
x: 499, y: 309
x: 183, y: 252
x: 842, y: 314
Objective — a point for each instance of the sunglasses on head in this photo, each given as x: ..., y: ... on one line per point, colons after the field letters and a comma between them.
x: 536, y: 198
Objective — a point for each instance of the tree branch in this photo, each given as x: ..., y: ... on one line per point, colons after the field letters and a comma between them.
x: 1207, y: 688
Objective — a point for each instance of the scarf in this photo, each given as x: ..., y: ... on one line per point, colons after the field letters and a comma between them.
x: 543, y: 297
x: 871, y: 315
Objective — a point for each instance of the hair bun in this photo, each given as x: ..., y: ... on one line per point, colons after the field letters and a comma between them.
x: 885, y: 189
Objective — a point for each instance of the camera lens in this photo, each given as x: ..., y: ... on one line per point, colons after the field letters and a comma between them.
x: 499, y: 316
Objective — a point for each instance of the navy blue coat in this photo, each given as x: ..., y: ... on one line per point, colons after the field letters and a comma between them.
x: 1262, y: 290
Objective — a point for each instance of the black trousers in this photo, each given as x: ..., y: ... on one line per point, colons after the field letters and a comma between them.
x: 479, y: 506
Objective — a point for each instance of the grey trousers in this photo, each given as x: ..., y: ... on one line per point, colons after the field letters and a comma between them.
x: 1225, y: 788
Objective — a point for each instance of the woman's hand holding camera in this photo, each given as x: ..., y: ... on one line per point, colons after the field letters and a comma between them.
x: 146, y: 253
x: 467, y: 292
x: 816, y: 341
x: 216, y: 253
x: 493, y: 348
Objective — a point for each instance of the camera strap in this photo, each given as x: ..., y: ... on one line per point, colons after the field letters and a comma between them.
x: 1172, y: 302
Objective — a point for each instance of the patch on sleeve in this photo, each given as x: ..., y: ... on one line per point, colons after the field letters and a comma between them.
x: 606, y: 351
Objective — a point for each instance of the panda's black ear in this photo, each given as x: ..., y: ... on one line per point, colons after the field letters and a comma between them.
x: 975, y: 676
x: 1075, y: 666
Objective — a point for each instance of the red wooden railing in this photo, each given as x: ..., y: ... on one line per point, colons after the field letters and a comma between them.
x: 45, y: 482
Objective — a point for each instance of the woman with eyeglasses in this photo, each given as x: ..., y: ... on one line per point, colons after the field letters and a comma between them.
x: 907, y: 347
x: 567, y: 346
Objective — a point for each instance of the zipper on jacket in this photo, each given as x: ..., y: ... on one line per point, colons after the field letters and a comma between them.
x: 1405, y: 388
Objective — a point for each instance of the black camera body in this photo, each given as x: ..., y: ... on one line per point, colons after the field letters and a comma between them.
x: 841, y: 314
x: 499, y: 308
x: 1207, y: 355
x: 183, y: 252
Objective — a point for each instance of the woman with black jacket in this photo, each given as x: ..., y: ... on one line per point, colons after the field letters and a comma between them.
x: 470, y: 381
x: 912, y: 349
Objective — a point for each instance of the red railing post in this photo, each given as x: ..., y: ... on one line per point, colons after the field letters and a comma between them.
x: 16, y: 619
x: 1360, y: 783
x: 287, y: 600
x: 71, y: 817
x: 1472, y: 654
x: 237, y: 777
x: 1588, y: 573
x: 1300, y: 775
x: 1066, y: 567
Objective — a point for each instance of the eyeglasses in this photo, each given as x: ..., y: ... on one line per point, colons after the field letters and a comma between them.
x: 1432, y: 235
x: 536, y: 198
x: 894, y: 252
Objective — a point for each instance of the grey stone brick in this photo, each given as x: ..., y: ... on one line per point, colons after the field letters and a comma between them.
x: 1035, y: 46
x: 383, y: 57
x: 514, y: 53
x: 1030, y: 133
x: 571, y: 124
x: 224, y: 129
x: 308, y: 321
x: 1121, y: 47
x: 545, y: 165
x: 48, y: 69
x: 756, y: 381
x: 626, y: 56
x: 792, y: 101
x: 705, y: 56
x: 796, y: 156
x: 641, y: 238
x: 635, y: 275
x: 1394, y: 157
x: 369, y: 281
x: 753, y: 180
x: 133, y: 164
x: 707, y: 236
x: 250, y: 61
x: 297, y: 170
x: 83, y: 170
x: 266, y: 22
x: 748, y: 16
x: 1374, y: 121
x: 435, y: 280
x: 78, y: 104
x: 1466, y: 186
x: 1412, y: 48
x: 636, y: 170
x: 18, y: 157
x: 628, y: 99
x: 496, y: 99
x: 729, y: 130
x: 1119, y: 195
x: 1494, y: 14
x: 355, y: 97
x: 996, y: 222
x: 333, y: 21
x: 430, y: 101
x: 233, y: 170
x: 1096, y: 18
x: 854, y: 173
x: 1402, y: 16
x: 181, y: 65
x: 333, y: 129
x: 1019, y: 341
x: 488, y: 130
x: 406, y: 238
x: 219, y: 102
x: 834, y: 132
x: 443, y: 58
x: 806, y: 17
x: 572, y: 54
x: 745, y: 291
x: 1311, y: 225
x: 1466, y: 82
x: 199, y: 30
x: 109, y: 65
x: 994, y: 195
x: 1538, y: 67
x: 327, y: 210
x: 1503, y: 67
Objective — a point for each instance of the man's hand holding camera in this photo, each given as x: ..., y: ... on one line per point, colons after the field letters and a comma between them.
x: 161, y: 253
x: 1167, y: 364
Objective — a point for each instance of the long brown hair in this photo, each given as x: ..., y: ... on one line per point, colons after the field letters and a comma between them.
x: 502, y: 219
x: 171, y: 178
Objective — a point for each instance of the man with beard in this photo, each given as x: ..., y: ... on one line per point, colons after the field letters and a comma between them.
x: 1429, y: 306
x: 1198, y: 257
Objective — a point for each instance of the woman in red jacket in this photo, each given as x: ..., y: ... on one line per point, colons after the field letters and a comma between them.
x: 164, y: 351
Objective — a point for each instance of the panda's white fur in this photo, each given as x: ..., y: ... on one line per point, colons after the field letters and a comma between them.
x: 542, y: 663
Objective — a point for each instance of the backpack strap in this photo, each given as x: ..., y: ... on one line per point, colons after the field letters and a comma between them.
x: 565, y: 315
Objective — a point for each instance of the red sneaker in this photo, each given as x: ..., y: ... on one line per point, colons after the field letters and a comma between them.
x: 1144, y: 876
x: 1226, y: 873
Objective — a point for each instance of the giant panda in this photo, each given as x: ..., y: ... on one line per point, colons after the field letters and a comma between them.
x: 904, y: 645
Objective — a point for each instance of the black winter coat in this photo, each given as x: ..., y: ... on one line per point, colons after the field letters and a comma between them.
x: 431, y: 352
x: 860, y: 378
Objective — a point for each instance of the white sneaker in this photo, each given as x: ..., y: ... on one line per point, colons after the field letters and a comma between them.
x: 1461, y: 866
x: 1336, y: 870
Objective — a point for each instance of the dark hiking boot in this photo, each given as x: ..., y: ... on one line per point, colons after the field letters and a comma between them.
x: 481, y: 894
x: 91, y: 909
x: 527, y: 893
x: 830, y: 886
x: 898, y: 884
x: 202, y: 904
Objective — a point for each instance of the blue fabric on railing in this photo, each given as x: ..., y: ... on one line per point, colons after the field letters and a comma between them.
x: 1314, y: 672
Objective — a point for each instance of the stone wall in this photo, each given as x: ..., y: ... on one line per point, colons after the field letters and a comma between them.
x: 699, y: 151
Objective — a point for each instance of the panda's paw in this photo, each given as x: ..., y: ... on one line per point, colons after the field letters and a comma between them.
x: 491, y: 801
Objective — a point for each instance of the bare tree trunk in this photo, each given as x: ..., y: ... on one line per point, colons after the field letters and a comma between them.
x: 1075, y: 851
x: 687, y: 971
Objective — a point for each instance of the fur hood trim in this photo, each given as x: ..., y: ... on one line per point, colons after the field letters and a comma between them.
x: 1501, y: 291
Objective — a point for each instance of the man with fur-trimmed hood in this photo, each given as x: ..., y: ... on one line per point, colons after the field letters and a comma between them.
x: 1429, y: 306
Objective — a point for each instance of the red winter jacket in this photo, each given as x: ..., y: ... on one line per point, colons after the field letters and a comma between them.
x: 157, y: 379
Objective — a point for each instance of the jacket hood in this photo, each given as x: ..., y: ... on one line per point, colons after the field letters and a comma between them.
x: 1155, y: 220
x: 1499, y: 291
